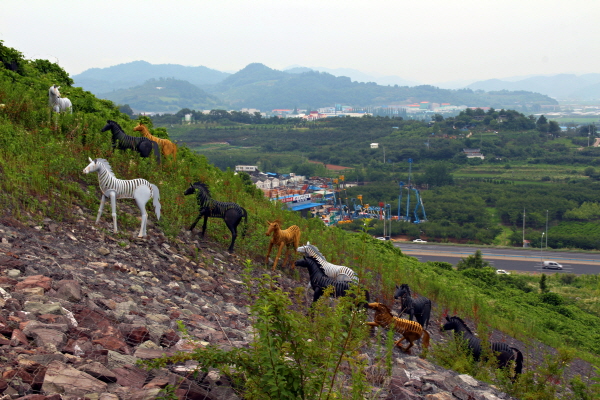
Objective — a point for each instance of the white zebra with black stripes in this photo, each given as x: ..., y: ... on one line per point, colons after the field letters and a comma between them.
x: 114, y: 188
x: 337, y: 272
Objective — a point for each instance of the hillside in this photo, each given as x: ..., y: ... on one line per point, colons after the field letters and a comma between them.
x: 163, y: 95
x: 64, y: 277
x: 135, y: 73
x: 562, y: 86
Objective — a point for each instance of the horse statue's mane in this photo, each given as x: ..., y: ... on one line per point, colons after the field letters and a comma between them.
x: 114, y: 124
x: 385, y: 308
x: 406, y: 289
x: 455, y: 318
x: 311, y: 250
x: 201, y: 186
x: 106, y: 165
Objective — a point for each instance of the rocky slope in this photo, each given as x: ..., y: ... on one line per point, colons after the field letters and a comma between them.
x: 79, y: 307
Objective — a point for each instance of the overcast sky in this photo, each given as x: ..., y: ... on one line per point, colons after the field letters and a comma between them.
x: 428, y: 41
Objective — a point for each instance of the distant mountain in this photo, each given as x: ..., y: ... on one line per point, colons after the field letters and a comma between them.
x: 562, y: 86
x: 356, y: 75
x: 164, y: 96
x: 258, y: 86
x: 123, y: 76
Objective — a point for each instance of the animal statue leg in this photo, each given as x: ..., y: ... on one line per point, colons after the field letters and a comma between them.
x: 102, y: 200
x: 268, y: 253
x: 113, y: 205
x: 141, y: 196
x: 195, y: 222
x: 204, y: 225
x: 278, y: 254
x: 233, y: 236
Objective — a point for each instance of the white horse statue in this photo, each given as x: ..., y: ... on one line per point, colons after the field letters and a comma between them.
x: 57, y: 103
x: 139, y: 189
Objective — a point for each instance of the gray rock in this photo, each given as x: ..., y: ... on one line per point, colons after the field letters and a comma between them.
x: 68, y: 381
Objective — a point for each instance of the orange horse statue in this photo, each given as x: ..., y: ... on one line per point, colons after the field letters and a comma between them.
x: 166, y: 146
x: 410, y: 330
x: 282, y: 237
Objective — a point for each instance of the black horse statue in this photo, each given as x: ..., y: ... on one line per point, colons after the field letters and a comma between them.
x: 504, y: 353
x: 231, y: 213
x: 122, y: 141
x: 419, y: 308
x: 319, y: 281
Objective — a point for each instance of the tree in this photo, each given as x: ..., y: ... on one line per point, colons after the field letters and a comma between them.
x: 542, y: 124
x: 543, y: 284
x: 554, y: 128
x: 126, y: 109
x: 473, y: 261
x: 438, y: 174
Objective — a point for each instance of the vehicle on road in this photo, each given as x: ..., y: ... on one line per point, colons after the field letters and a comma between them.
x: 502, y: 272
x: 419, y: 241
x: 551, y: 265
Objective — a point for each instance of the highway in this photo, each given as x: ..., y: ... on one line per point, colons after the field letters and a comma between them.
x: 509, y: 259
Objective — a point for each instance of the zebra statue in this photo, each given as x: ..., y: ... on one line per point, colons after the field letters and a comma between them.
x: 419, y: 308
x: 231, y: 213
x: 123, y: 141
x: 320, y: 282
x: 336, y: 272
x: 139, y: 189
x: 57, y: 103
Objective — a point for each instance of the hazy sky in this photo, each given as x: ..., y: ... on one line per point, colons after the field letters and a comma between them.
x: 429, y: 41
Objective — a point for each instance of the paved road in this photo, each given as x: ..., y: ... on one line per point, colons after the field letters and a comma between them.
x: 509, y: 259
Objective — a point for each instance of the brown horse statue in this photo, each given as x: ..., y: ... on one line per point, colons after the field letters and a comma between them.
x: 282, y: 237
x: 166, y: 146
x: 410, y: 330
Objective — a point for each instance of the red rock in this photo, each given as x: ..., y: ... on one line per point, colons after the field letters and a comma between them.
x: 114, y: 344
x: 18, y: 338
x: 4, y: 341
x: 35, y: 281
x: 130, y: 376
x: 169, y: 338
x: 92, y: 319
x: 18, y: 373
x: 137, y: 335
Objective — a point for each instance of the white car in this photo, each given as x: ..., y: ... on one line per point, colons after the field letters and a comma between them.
x: 502, y: 272
x: 419, y: 241
x: 551, y: 265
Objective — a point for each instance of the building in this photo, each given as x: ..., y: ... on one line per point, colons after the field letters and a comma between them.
x: 473, y: 153
x: 374, y: 145
x: 246, y: 168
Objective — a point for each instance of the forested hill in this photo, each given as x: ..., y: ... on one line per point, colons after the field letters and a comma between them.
x: 165, y: 95
x: 258, y: 86
x: 125, y: 76
x: 264, y: 88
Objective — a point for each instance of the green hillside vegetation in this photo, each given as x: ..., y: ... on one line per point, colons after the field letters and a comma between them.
x: 41, y: 159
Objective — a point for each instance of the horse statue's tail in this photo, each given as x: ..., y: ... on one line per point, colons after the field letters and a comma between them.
x: 245, y: 216
x: 425, y: 339
x: 156, y: 151
x: 519, y: 361
x: 156, y: 201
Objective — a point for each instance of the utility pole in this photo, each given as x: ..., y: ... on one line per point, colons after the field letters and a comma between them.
x: 546, y: 229
x: 523, y: 227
